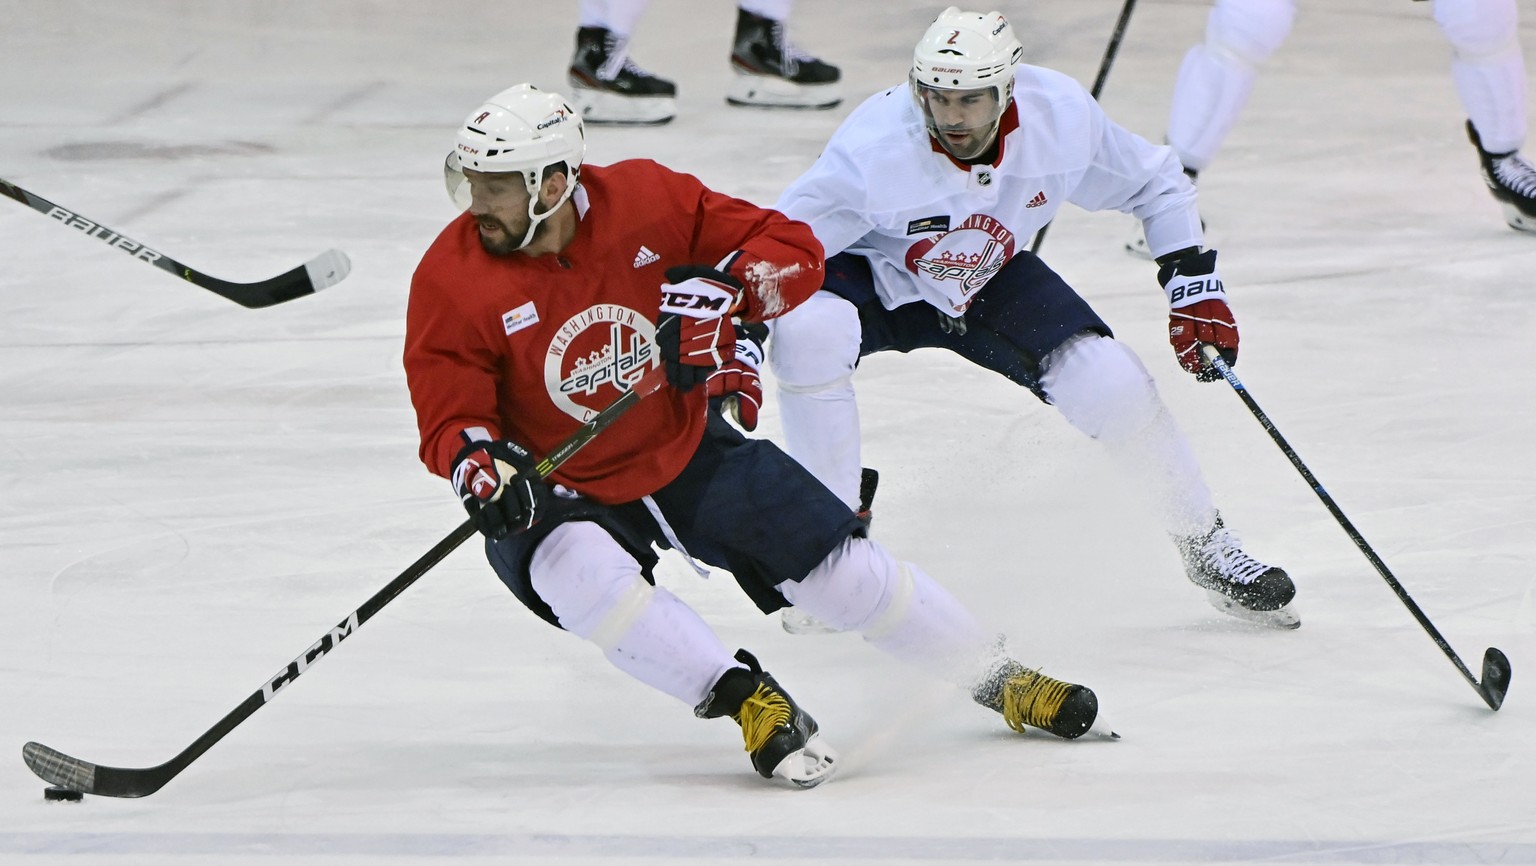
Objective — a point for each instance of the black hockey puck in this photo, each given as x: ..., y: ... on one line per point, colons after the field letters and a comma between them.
x: 63, y: 794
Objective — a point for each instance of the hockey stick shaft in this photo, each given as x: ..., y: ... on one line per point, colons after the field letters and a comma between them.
x: 77, y: 775
x: 1496, y: 670
x: 1110, y: 52
x: 326, y: 269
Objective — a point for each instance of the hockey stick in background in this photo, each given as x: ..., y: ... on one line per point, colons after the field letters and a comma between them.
x: 326, y: 269
x: 1495, y: 665
x: 1110, y: 51
x: 84, y: 777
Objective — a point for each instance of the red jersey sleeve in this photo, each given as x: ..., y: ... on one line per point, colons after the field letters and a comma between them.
x: 450, y: 368
x: 777, y: 259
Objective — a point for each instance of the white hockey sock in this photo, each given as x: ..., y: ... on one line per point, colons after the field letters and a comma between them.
x: 595, y: 589
x: 897, y: 607
x: 1103, y: 390
x: 618, y: 16
x: 1488, y: 68
x: 813, y: 352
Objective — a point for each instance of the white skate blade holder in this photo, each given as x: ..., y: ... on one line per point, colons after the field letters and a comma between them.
x: 769, y: 91
x: 1517, y: 220
x: 599, y: 107
x: 1283, y: 618
x: 808, y: 767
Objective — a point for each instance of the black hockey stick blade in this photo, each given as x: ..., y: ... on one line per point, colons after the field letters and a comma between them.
x: 326, y: 269
x: 1495, y: 677
x: 57, y: 768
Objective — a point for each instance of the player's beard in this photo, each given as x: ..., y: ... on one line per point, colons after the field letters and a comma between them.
x: 507, y: 243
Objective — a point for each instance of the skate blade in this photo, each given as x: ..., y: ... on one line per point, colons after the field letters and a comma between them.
x: 1282, y: 618
x: 611, y: 109
x: 768, y: 91
x: 1517, y: 220
x: 797, y: 621
x: 1099, y: 730
x: 808, y: 767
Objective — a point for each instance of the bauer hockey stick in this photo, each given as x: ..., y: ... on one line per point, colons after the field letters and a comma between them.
x: 1110, y: 50
x: 1495, y: 664
x: 326, y: 269
x: 87, y: 778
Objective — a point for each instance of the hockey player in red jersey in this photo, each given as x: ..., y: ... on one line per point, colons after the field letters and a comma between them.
x: 554, y: 293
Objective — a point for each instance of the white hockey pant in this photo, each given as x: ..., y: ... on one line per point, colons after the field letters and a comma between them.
x: 1217, y: 76
x: 813, y: 352
x: 1103, y: 390
x: 1488, y: 68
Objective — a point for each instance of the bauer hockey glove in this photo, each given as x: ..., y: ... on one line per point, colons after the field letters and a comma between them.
x: 500, y: 487
x: 736, y: 385
x: 1197, y: 311
x: 694, y: 334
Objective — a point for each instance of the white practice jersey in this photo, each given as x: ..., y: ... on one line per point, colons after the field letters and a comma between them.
x: 936, y: 230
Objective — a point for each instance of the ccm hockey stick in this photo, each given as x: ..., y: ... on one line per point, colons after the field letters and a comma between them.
x: 1495, y: 664
x: 326, y: 269
x: 1110, y: 50
x: 87, y: 778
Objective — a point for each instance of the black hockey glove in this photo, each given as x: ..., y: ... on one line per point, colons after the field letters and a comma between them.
x: 694, y: 334
x: 500, y: 487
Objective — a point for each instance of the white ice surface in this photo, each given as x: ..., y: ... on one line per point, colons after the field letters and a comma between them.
x: 191, y: 492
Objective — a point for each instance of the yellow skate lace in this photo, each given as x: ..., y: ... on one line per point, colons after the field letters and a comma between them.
x: 1032, y: 698
x: 760, y: 715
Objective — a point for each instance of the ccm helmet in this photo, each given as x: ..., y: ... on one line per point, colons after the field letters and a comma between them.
x: 524, y: 130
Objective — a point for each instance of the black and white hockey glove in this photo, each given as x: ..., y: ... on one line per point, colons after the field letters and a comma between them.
x: 500, y: 487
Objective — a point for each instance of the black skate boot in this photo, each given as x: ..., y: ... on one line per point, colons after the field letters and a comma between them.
x: 1512, y: 180
x: 1236, y: 583
x: 607, y: 87
x: 782, y: 738
x: 1028, y: 697
x: 772, y: 72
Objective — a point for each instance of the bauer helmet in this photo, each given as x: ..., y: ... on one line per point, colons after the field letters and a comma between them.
x: 524, y: 130
x: 966, y: 51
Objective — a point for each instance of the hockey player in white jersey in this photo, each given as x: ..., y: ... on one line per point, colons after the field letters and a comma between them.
x: 1217, y: 76
x: 924, y: 200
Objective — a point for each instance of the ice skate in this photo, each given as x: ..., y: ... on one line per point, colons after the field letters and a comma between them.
x: 1028, y: 698
x: 772, y: 72
x: 1235, y: 583
x: 782, y: 739
x: 608, y: 87
x: 1512, y: 180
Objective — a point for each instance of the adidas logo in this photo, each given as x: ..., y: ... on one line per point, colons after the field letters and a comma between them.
x: 645, y: 257
x: 1037, y: 201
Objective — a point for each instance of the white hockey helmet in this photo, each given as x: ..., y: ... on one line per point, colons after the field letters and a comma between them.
x: 524, y: 130
x: 966, y: 51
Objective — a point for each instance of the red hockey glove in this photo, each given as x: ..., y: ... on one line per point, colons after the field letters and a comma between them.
x: 736, y: 385
x: 1198, y: 312
x: 694, y: 333
x: 500, y: 487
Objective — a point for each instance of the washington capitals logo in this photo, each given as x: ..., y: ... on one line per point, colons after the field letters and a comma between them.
x: 960, y: 262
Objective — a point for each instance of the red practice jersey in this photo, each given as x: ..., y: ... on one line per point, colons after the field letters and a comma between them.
x: 528, y: 349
